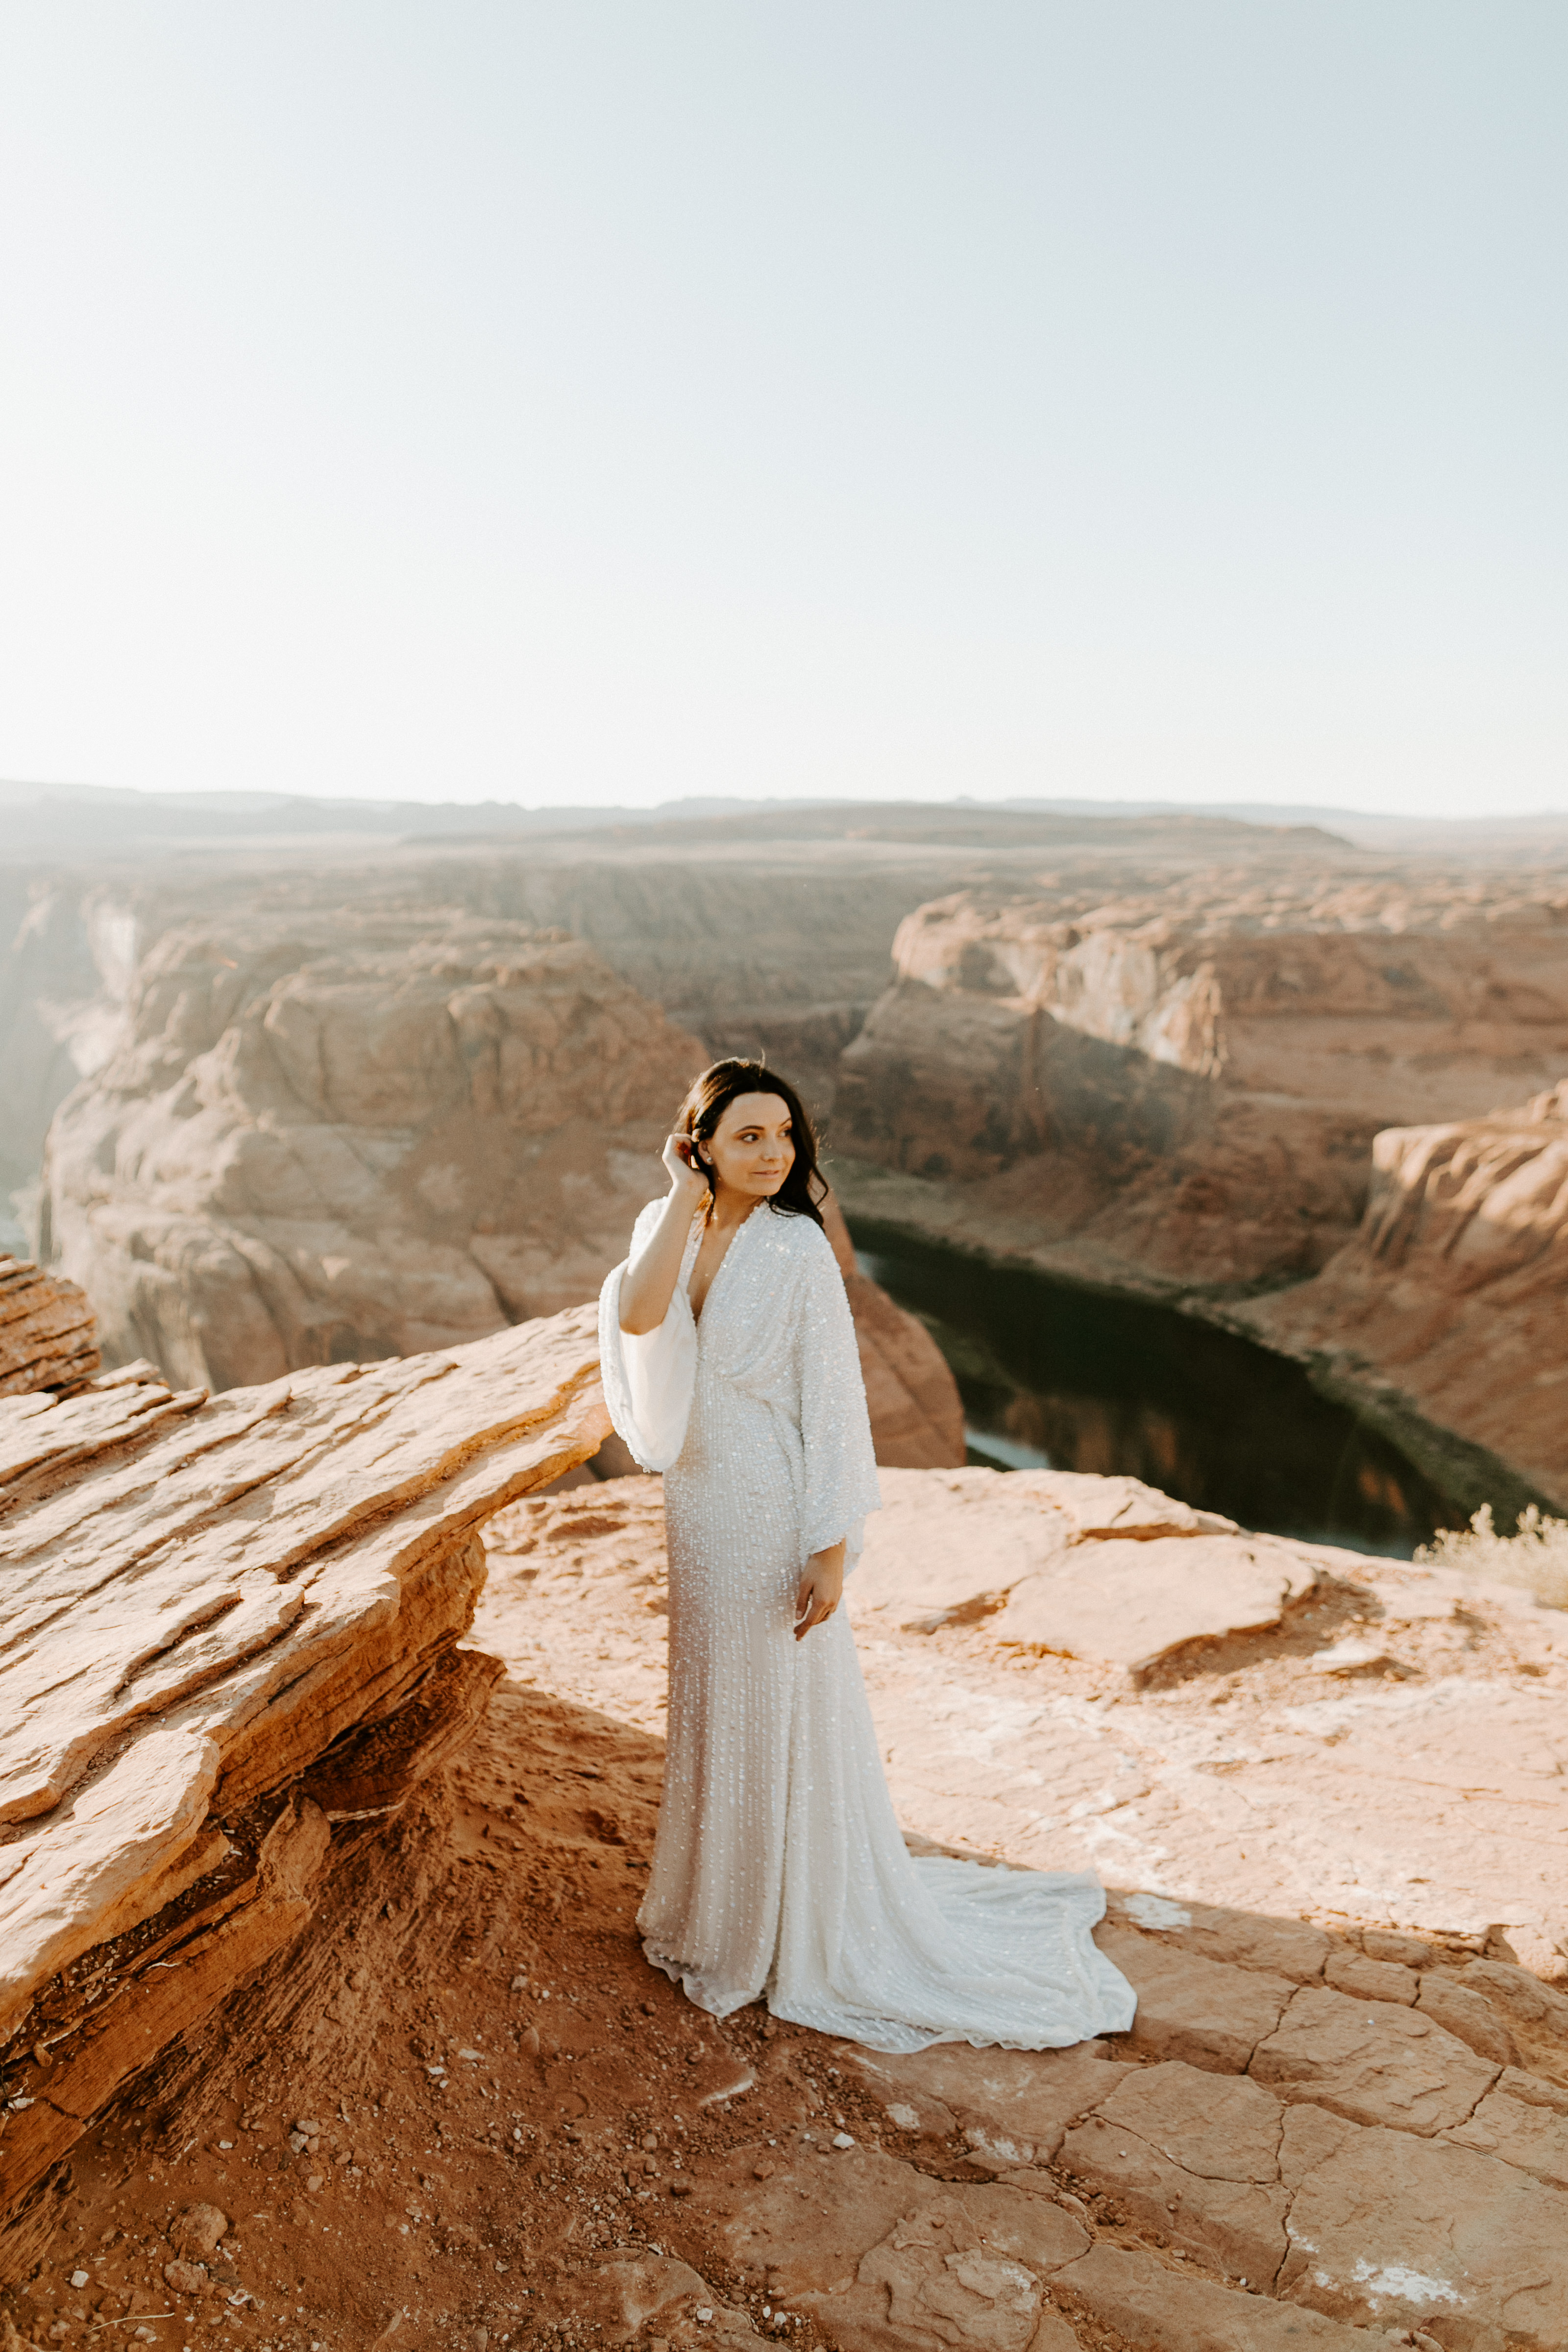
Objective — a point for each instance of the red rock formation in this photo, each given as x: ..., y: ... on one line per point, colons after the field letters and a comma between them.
x: 47, y: 1336
x: 415, y: 2063
x: 227, y: 1629
x: 314, y: 1151
x: 1454, y: 1295
x: 305, y: 1155
x: 1185, y: 1085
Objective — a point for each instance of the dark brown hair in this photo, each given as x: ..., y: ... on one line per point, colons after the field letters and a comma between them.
x: 709, y: 1099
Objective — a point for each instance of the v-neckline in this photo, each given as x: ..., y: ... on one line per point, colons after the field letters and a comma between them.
x: 699, y: 1314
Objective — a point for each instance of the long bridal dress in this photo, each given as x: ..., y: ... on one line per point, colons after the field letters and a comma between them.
x: 779, y: 1868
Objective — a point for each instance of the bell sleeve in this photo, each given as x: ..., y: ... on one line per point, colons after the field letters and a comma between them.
x: 841, y: 1485
x: 649, y: 1377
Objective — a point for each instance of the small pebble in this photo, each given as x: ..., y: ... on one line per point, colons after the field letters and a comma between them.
x: 78, y: 2278
x: 842, y: 2139
x: 679, y: 2188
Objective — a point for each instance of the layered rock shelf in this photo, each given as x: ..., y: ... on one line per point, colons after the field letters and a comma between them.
x: 226, y: 1654
x: 48, y: 1335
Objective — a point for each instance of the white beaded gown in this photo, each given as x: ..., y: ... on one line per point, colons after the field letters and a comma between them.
x: 779, y: 1870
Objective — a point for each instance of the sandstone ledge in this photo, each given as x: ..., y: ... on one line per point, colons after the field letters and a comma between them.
x: 48, y: 1337
x: 226, y: 1628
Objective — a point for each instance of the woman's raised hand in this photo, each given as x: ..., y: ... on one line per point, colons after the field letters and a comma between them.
x: 685, y: 1176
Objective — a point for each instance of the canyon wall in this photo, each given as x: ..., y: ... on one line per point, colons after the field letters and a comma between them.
x: 332, y: 1142
x: 1181, y: 1088
x: 763, y: 930
x: 314, y: 1148
x: 65, y: 966
x: 1451, y: 1301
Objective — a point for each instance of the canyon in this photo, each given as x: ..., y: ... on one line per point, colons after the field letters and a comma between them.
x: 764, y: 930
x: 356, y: 1138
x: 1211, y: 1093
x: 1149, y: 1054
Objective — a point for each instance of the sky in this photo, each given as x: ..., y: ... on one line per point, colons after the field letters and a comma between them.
x: 618, y: 400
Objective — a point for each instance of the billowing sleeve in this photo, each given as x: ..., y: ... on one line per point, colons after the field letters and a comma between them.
x: 835, y: 1430
x: 649, y: 1377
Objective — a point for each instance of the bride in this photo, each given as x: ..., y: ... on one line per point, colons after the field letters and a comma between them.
x: 730, y: 1363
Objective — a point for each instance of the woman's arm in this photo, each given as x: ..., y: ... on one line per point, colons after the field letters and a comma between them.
x: 648, y: 1284
x: 821, y: 1589
x: 834, y: 1428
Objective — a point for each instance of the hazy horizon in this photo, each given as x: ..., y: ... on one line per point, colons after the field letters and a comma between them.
x: 602, y: 407
x: 26, y: 794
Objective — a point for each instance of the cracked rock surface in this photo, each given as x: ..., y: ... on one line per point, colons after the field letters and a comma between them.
x: 1321, y: 2128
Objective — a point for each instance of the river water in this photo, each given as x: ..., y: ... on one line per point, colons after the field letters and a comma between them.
x: 1056, y: 1377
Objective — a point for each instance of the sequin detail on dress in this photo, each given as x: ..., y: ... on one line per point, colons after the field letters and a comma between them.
x: 779, y: 1868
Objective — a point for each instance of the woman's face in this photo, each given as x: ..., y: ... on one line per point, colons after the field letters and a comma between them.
x: 752, y: 1150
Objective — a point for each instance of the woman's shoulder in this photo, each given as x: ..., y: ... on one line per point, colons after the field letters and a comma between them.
x: 799, y: 1239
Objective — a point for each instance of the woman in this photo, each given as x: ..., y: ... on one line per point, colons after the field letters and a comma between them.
x: 730, y: 1363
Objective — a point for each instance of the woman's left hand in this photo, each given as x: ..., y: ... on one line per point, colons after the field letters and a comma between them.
x: 821, y: 1590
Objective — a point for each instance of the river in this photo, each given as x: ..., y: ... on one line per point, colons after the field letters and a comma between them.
x: 1056, y: 1377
